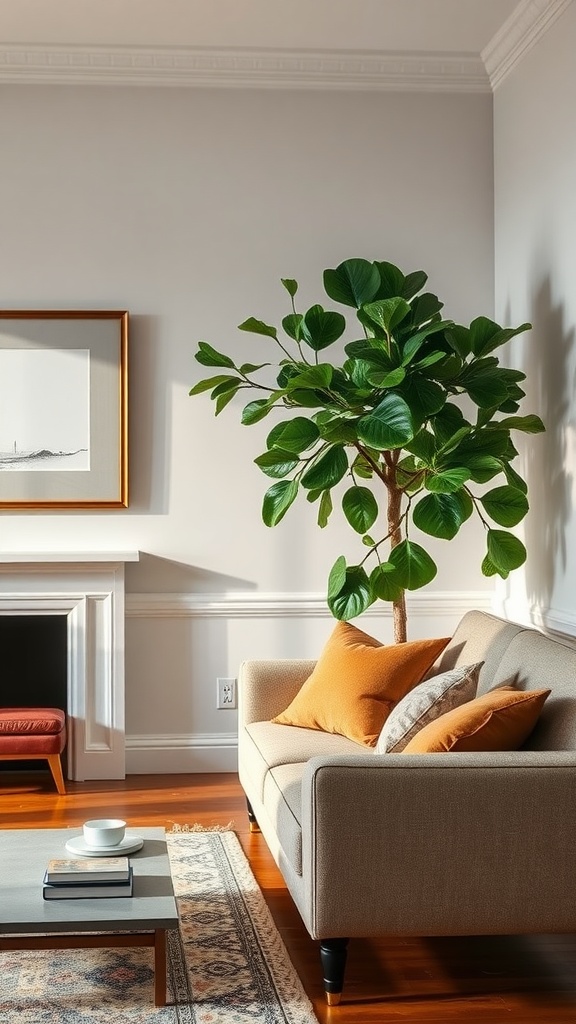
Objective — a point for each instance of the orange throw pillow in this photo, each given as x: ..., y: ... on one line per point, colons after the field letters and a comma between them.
x: 501, y: 719
x: 356, y: 683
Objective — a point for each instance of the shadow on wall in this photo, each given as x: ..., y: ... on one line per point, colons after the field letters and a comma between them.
x: 549, y: 465
x: 155, y: 575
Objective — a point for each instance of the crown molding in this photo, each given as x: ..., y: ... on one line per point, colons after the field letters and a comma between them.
x: 235, y: 68
x: 529, y: 21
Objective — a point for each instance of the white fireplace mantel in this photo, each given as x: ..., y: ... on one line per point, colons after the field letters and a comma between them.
x: 87, y: 587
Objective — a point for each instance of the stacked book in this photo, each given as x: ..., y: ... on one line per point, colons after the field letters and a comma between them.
x: 89, y: 878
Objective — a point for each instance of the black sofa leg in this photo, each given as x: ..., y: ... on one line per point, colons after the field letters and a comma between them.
x: 333, y: 954
x: 253, y: 824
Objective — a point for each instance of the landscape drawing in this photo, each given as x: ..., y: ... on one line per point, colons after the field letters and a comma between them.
x: 44, y: 410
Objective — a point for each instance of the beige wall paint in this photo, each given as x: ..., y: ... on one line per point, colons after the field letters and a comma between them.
x: 535, y: 216
x: 186, y: 207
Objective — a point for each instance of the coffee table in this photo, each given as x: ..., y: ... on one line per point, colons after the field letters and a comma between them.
x: 26, y: 918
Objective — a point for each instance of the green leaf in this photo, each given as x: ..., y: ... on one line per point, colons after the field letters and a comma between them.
x: 440, y: 515
x: 255, y: 411
x: 423, y: 447
x: 337, y: 577
x: 209, y: 382
x: 230, y: 384
x: 484, y: 383
x: 416, y: 341
x: 294, y: 435
x: 328, y: 470
x: 505, y: 551
x: 414, y: 565
x: 252, y: 367
x: 277, y: 501
x: 276, y: 463
x: 353, y: 283
x: 324, y: 509
x: 529, y: 424
x: 505, y: 505
x: 448, y: 480
x: 385, y: 378
x: 483, y: 468
x: 458, y: 338
x: 424, y: 397
x: 290, y: 285
x: 258, y: 327
x: 224, y: 393
x: 413, y: 283
x: 292, y: 325
x: 392, y: 281
x: 485, y: 335
x: 222, y: 400
x: 389, y: 426
x: 208, y: 356
x: 384, y: 582
x: 489, y: 569
x: 360, y: 508
x: 387, y: 313
x: 514, y: 478
x: 321, y: 327
x: 354, y: 596
x: 314, y: 377
x: 339, y: 430
x: 424, y: 308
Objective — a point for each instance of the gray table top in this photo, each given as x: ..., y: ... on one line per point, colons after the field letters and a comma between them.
x: 24, y: 855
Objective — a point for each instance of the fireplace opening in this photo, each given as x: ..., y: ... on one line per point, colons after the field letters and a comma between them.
x: 34, y: 667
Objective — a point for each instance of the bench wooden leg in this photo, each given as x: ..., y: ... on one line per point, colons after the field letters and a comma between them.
x: 56, y: 769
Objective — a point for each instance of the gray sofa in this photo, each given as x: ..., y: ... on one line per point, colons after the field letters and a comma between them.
x: 420, y: 844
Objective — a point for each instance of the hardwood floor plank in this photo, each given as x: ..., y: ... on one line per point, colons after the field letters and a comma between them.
x: 482, y: 980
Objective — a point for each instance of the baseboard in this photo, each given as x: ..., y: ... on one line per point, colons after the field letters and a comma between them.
x: 181, y: 754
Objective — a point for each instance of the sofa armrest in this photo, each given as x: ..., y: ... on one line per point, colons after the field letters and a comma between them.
x: 440, y: 844
x: 265, y: 688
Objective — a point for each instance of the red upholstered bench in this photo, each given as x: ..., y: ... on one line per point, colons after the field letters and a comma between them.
x: 30, y: 733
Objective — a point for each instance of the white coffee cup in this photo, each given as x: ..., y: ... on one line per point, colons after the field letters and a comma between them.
x: 104, y: 832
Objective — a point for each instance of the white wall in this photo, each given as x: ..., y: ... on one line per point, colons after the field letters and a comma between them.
x: 535, y: 201
x: 186, y: 207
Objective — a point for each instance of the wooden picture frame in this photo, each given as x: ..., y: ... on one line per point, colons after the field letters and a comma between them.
x: 63, y: 409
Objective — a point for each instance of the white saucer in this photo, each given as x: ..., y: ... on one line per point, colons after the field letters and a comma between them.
x: 128, y: 845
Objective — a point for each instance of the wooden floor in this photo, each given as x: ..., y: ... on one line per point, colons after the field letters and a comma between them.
x: 517, y: 980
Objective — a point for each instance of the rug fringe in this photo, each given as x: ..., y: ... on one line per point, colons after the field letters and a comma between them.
x: 197, y: 827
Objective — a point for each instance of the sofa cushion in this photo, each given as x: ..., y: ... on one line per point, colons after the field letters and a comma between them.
x: 426, y: 702
x: 501, y: 719
x: 266, y: 745
x: 356, y: 683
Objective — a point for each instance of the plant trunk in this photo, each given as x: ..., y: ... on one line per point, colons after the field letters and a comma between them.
x: 395, y: 531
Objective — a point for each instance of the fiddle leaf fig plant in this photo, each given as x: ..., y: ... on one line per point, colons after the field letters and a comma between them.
x: 410, y: 425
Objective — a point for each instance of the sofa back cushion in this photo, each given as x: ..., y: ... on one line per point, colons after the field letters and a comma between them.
x: 533, y: 661
x: 479, y: 636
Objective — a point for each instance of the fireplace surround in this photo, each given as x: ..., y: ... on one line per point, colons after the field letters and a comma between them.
x: 88, y: 588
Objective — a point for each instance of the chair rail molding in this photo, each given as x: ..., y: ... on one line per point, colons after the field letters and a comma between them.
x: 248, y: 604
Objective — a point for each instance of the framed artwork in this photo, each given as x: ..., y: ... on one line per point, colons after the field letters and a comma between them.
x: 63, y: 409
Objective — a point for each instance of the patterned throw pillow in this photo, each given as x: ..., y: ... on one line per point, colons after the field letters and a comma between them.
x: 425, y: 703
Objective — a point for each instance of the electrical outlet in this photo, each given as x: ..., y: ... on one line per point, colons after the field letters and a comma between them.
x: 225, y: 694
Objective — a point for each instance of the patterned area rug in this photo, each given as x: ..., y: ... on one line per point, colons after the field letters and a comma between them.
x: 228, y: 965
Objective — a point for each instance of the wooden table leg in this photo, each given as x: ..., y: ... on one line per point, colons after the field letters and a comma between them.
x: 160, y: 967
